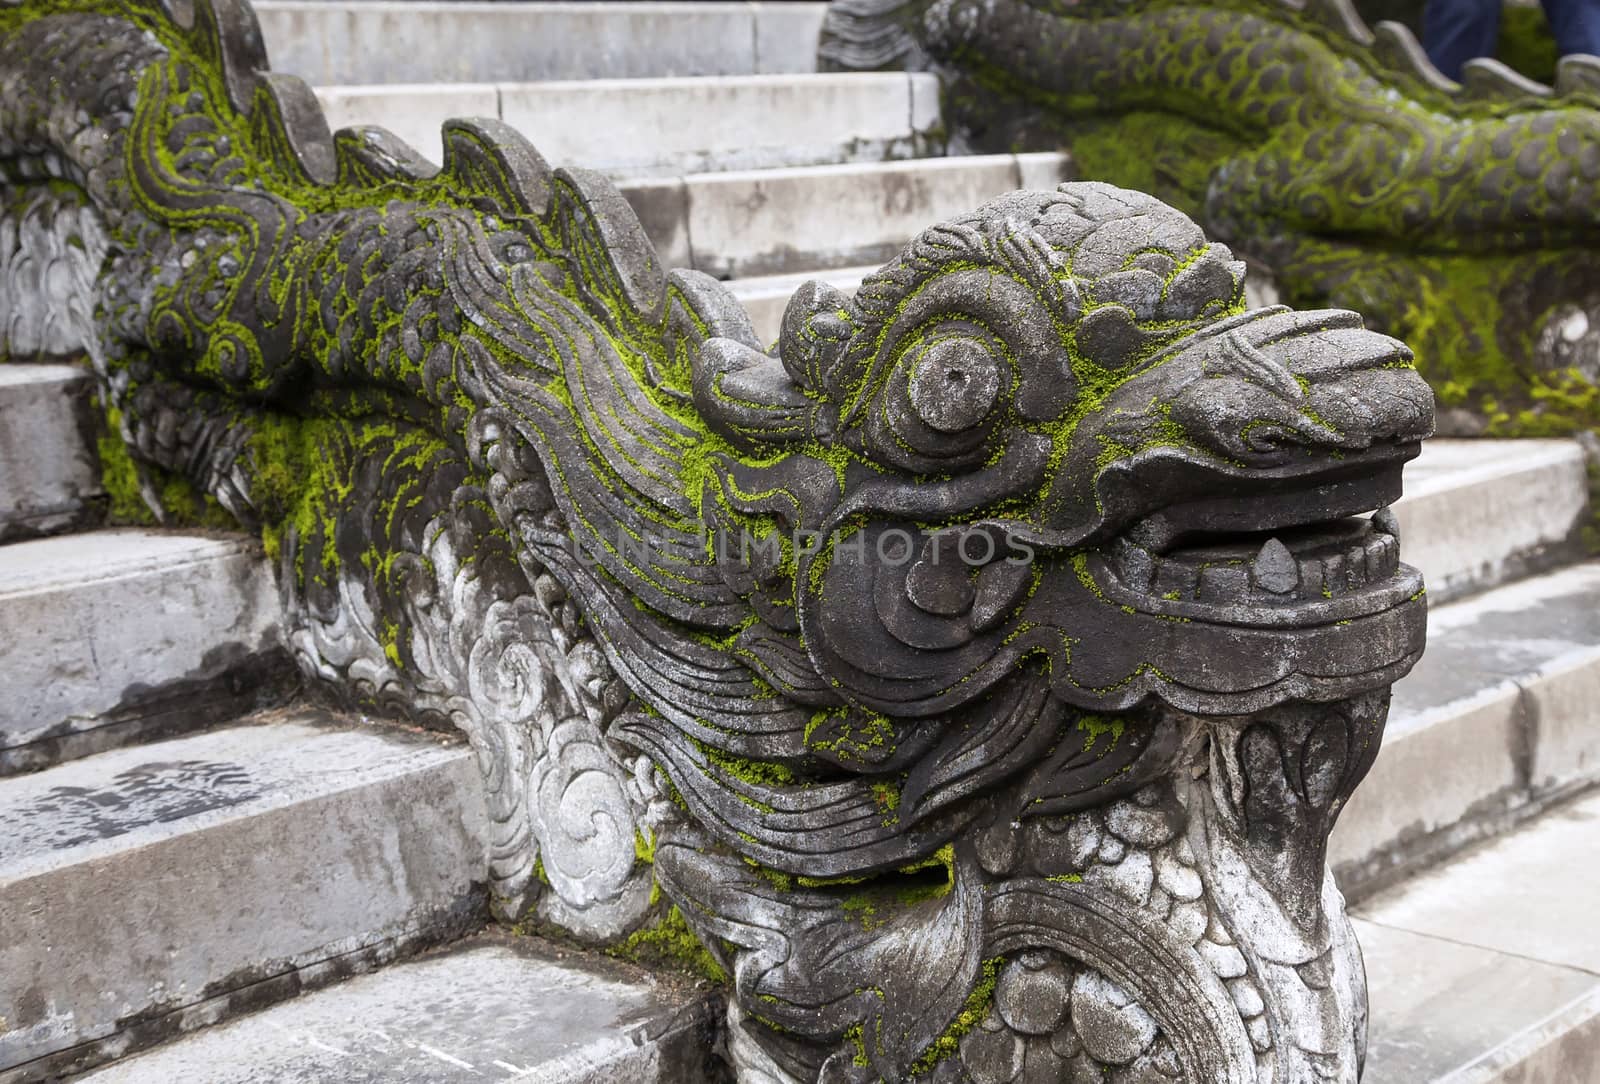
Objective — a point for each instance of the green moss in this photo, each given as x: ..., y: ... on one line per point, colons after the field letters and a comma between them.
x: 972, y: 1013
x: 758, y: 773
x: 670, y: 943
x: 853, y: 1037
x: 119, y: 477
x: 181, y: 504
x: 1094, y: 727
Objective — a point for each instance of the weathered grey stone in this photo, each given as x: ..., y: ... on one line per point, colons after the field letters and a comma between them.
x: 115, y: 627
x: 52, y: 247
x: 1031, y: 993
x: 635, y: 128
x: 1478, y: 512
x: 142, y: 889
x: 425, y: 41
x: 491, y: 1008
x: 771, y: 221
x: 629, y: 128
x: 1495, y: 720
x: 1038, y: 73
x: 1483, y: 970
x: 1438, y: 1006
x: 1112, y: 1025
x: 49, y: 474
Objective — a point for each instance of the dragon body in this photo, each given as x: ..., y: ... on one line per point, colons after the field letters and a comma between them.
x: 1462, y: 218
x: 979, y: 673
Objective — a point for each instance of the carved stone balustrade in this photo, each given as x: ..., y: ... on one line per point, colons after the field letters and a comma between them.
x: 977, y: 676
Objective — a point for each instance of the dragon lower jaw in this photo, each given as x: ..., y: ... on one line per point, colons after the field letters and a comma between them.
x: 1317, y: 607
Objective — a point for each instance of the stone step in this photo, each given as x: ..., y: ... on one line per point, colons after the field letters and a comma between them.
x: 151, y: 890
x: 338, y: 42
x: 1497, y: 721
x: 492, y: 1008
x: 784, y: 221
x: 1487, y: 970
x: 49, y: 471
x: 114, y: 636
x: 1477, y: 513
x: 670, y: 127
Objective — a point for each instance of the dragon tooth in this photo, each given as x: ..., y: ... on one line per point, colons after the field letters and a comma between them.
x: 1377, y: 559
x: 1386, y: 521
x: 1175, y: 581
x: 1135, y: 565
x: 1274, y: 568
x: 1355, y: 568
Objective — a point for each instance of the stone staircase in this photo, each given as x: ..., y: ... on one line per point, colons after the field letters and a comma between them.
x: 189, y: 839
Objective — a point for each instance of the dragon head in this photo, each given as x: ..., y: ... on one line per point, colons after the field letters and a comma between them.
x: 1044, y: 525
x: 1051, y: 431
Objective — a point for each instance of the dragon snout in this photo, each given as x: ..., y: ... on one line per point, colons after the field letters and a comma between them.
x: 1286, y: 383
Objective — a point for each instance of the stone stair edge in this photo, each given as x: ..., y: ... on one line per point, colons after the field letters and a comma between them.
x: 1530, y: 504
x: 1465, y: 989
x: 1484, y: 746
x: 123, y: 633
x: 49, y: 472
x: 245, y: 864
x: 401, y: 751
x: 631, y: 127
x: 1518, y: 454
x: 509, y: 1006
x: 627, y: 84
x: 180, y: 548
x: 609, y: 7
x: 739, y: 224
x: 322, y: 42
x: 1557, y: 1048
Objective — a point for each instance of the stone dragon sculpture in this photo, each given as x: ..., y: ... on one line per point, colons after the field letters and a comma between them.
x: 1463, y: 218
x: 978, y: 674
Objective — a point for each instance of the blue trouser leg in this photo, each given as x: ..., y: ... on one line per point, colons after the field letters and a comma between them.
x: 1455, y: 31
x: 1576, y: 25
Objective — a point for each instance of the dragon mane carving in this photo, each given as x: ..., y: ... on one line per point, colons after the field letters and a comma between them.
x: 1464, y: 219
x: 979, y: 673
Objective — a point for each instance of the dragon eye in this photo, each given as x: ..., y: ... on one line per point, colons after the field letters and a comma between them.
x: 954, y: 385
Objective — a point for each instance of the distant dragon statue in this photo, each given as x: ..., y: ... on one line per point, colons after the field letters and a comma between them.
x: 978, y: 675
x: 1463, y: 218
